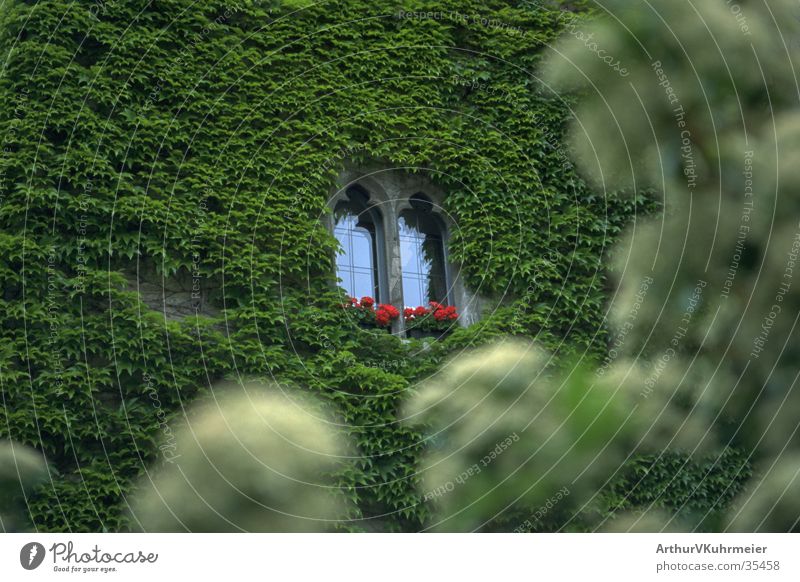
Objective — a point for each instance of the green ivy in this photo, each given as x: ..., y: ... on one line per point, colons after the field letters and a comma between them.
x: 695, y: 491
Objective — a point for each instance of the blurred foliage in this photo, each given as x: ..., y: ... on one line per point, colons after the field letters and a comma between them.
x: 254, y: 460
x: 708, y: 115
x: 505, y: 433
x: 520, y: 443
x: 21, y: 469
x: 772, y: 503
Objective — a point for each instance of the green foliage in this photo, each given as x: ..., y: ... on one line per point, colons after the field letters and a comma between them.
x: 670, y: 491
x: 693, y: 492
x: 204, y: 139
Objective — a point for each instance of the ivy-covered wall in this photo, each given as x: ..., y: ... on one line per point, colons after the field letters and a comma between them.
x: 200, y: 141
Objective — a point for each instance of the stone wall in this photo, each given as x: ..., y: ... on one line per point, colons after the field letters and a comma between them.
x: 178, y: 296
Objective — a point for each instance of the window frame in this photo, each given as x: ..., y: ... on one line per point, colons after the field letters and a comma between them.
x: 431, y: 215
x: 357, y: 195
x: 390, y: 193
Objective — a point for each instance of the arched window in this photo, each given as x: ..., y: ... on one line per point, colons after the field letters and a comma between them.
x: 421, y: 235
x: 359, y: 230
x: 393, y: 247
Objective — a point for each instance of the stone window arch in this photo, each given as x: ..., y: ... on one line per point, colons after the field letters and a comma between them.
x: 400, y: 217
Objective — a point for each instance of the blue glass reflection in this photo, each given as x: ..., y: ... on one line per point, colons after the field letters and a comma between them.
x: 422, y: 259
x: 355, y: 265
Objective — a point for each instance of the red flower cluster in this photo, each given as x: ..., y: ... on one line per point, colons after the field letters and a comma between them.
x: 440, y: 312
x: 382, y: 315
x: 385, y: 314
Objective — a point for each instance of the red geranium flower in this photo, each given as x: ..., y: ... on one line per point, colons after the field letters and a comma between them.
x: 391, y: 310
x: 442, y: 316
x: 386, y: 314
x: 367, y: 302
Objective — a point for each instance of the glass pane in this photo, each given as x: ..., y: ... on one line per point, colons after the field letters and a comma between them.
x: 355, y: 265
x: 422, y: 259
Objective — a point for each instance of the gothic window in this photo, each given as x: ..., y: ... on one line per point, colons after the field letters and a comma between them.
x: 422, y: 254
x: 359, y: 230
x: 393, y: 247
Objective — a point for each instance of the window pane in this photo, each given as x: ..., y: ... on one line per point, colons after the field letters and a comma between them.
x: 355, y: 265
x: 422, y: 259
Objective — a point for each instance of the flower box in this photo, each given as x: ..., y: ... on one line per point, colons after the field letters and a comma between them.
x: 369, y: 315
x: 374, y: 327
x: 416, y: 333
x: 435, y: 322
